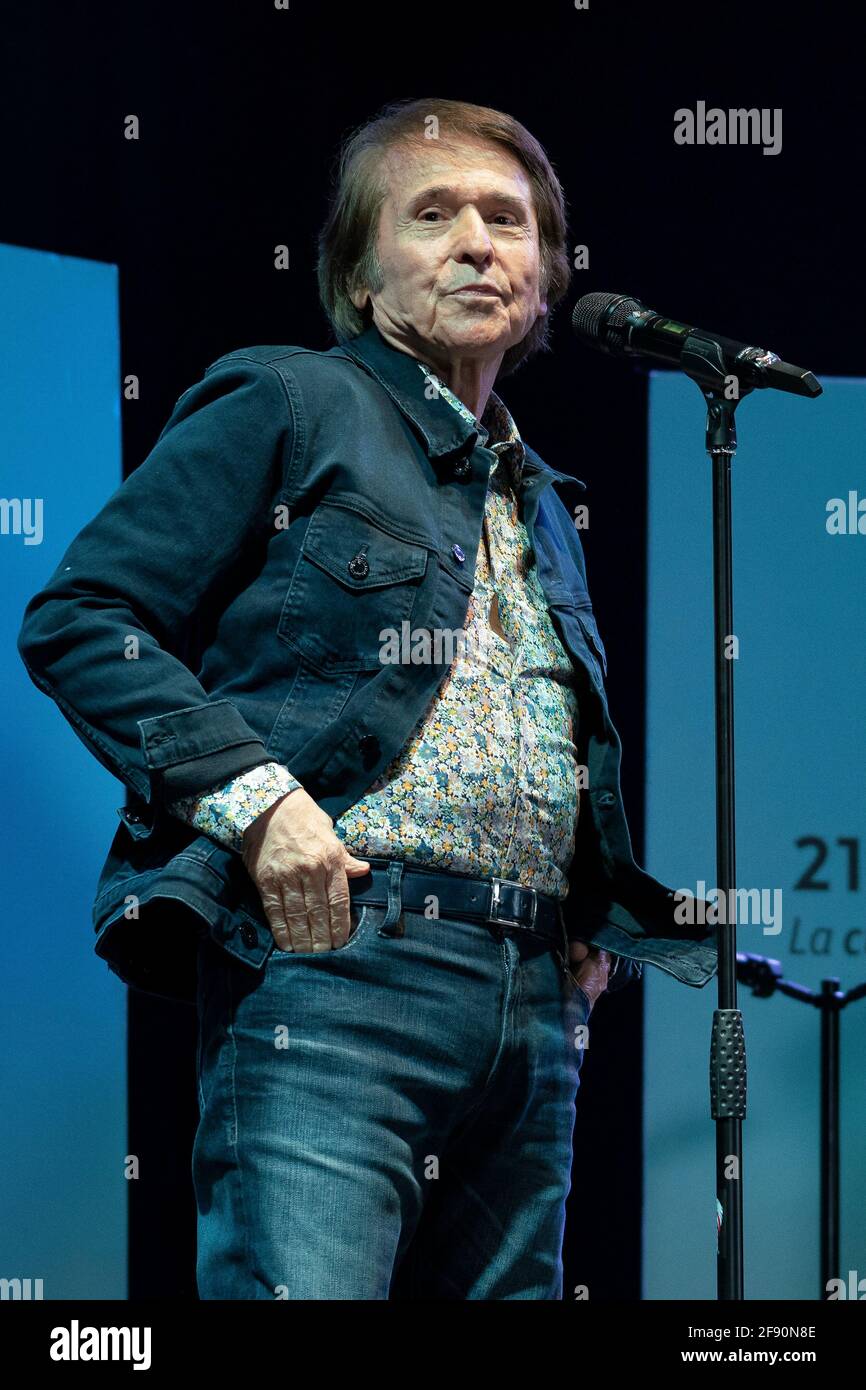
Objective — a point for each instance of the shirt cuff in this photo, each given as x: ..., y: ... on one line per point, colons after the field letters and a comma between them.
x: 225, y: 812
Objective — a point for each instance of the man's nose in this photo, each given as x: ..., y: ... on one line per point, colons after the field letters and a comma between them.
x: 471, y: 237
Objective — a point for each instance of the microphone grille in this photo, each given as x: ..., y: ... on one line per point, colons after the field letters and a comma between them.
x: 598, y: 317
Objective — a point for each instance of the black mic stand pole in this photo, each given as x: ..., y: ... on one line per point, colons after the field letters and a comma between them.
x: 702, y: 361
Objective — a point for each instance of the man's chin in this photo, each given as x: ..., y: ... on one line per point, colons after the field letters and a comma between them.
x: 474, y: 341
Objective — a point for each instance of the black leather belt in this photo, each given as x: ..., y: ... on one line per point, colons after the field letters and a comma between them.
x: 498, y: 901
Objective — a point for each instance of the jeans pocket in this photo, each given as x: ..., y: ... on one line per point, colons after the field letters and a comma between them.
x: 211, y: 965
x: 587, y: 1002
x: 572, y: 982
x: 362, y: 919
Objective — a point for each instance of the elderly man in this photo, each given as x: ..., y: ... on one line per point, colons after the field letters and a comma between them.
x: 368, y: 860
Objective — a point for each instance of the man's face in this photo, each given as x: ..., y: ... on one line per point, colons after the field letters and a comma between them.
x: 458, y: 247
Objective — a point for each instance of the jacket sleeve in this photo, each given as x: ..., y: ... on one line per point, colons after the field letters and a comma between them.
x: 104, y: 638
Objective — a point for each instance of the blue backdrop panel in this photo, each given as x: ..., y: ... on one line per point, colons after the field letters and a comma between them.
x: 62, y: 1021
x: 800, y: 691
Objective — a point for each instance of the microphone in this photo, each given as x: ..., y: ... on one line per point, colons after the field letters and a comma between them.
x: 622, y: 326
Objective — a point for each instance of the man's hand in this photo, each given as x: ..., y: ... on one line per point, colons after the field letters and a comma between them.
x: 301, y: 870
x: 592, y: 976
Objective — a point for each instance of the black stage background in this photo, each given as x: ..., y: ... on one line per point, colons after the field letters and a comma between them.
x: 241, y: 108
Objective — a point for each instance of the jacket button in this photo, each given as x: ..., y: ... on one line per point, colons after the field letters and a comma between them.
x: 607, y: 799
x: 248, y: 934
x: 359, y: 566
x: 461, y: 468
x: 458, y: 553
x: 369, y: 749
x: 133, y: 817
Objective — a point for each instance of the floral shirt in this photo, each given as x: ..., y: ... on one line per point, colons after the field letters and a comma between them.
x: 487, y: 783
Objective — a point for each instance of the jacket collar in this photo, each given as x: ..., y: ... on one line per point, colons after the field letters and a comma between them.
x: 447, y: 427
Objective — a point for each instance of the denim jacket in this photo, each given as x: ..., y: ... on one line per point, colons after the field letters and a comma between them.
x: 208, y: 619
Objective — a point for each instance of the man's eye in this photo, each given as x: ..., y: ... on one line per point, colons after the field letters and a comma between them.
x: 512, y: 221
x: 429, y: 212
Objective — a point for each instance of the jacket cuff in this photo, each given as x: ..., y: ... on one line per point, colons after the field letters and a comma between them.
x: 189, y: 751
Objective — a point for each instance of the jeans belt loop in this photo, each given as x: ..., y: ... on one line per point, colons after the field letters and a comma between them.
x: 393, y: 924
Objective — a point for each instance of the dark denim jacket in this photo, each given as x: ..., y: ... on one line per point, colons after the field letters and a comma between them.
x: 206, y: 619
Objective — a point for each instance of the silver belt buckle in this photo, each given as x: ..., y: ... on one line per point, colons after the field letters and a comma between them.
x: 496, y: 899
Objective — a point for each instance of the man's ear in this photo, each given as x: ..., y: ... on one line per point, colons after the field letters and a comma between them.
x: 359, y: 298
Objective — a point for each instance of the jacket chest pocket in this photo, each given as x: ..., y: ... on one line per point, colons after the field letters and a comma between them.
x: 353, y: 580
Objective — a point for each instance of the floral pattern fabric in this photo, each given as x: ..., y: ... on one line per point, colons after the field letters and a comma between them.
x: 487, y: 783
x: 225, y: 812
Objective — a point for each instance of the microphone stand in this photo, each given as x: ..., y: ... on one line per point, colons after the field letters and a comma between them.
x: 702, y: 360
x: 764, y: 977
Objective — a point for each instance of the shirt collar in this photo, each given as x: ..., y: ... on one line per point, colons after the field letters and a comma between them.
x: 503, y: 437
x: 495, y: 430
x: 446, y: 425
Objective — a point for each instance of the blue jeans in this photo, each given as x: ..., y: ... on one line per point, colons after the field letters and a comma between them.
x: 391, y: 1119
